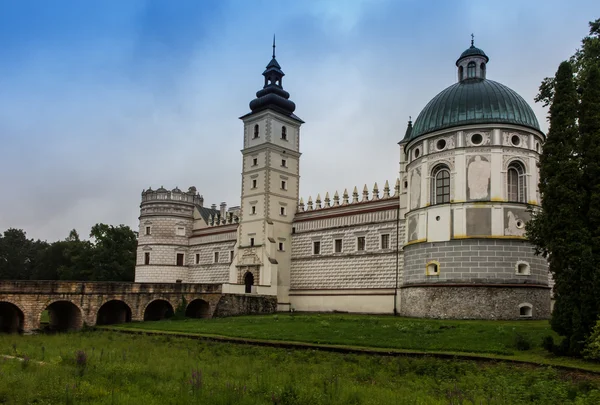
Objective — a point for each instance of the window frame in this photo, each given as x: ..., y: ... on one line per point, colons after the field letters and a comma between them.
x: 281, y: 246
x: 216, y: 256
x: 284, y: 133
x: 282, y: 211
x: 148, y: 231
x: 256, y: 131
x: 254, y: 184
x: 335, y: 243
x: 284, y: 163
x: 381, y: 239
x: 146, y: 258
x: 283, y: 184
x: 182, y: 256
x: 362, y: 244
x: 471, y: 70
x: 444, y: 195
x: 516, y: 192
x: 180, y: 228
x: 316, y: 247
x: 197, y: 258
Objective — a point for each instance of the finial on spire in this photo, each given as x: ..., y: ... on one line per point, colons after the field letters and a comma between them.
x: 472, y: 40
x: 274, y: 46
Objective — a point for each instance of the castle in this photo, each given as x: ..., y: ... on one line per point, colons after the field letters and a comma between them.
x: 447, y: 240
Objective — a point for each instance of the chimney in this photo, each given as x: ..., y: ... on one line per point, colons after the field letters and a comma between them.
x: 213, y: 206
x: 223, y: 209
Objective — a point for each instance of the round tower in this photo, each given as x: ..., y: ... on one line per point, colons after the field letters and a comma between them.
x: 470, y: 164
x: 166, y: 223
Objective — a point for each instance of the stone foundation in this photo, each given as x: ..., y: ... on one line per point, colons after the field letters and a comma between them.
x: 245, y: 304
x: 474, y: 302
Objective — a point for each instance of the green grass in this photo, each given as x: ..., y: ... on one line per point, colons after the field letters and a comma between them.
x: 137, y: 369
x: 488, y: 338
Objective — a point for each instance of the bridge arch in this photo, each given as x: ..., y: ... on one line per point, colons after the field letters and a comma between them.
x: 158, y: 309
x: 198, y: 308
x: 11, y: 318
x: 64, y: 316
x: 112, y: 312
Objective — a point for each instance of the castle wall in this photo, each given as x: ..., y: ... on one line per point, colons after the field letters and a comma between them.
x: 207, y: 270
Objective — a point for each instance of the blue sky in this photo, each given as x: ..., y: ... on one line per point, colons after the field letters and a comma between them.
x: 100, y: 99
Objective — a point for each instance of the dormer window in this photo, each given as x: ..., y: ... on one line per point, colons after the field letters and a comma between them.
x: 471, y: 70
x: 284, y: 133
x: 256, y: 131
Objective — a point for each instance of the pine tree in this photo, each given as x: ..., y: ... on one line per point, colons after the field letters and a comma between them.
x: 559, y: 231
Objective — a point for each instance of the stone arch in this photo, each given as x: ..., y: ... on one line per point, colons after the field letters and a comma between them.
x: 525, y: 310
x: 158, y: 309
x: 112, y: 312
x: 508, y: 160
x: 64, y: 316
x: 198, y: 308
x: 11, y: 318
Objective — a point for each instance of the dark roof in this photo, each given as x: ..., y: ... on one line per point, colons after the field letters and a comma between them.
x: 472, y: 51
x: 205, y: 213
x: 473, y: 101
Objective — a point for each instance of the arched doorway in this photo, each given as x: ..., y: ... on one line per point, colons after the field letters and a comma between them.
x: 64, y: 316
x: 198, y: 309
x: 11, y: 318
x: 248, y: 282
x: 157, y: 310
x: 114, y: 311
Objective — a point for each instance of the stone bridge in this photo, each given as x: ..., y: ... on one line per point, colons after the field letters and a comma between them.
x: 70, y: 305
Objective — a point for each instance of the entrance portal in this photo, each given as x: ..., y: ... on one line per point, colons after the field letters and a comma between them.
x: 249, y: 282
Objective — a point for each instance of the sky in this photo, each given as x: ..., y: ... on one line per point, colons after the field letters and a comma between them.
x: 102, y: 99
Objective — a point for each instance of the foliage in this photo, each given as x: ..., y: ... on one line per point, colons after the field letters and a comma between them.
x: 180, y: 310
x: 567, y: 229
x: 167, y: 370
x: 110, y: 256
x: 521, y: 342
x: 592, y: 347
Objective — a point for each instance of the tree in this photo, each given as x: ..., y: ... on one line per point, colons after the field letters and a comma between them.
x: 18, y: 255
x: 559, y: 231
x: 114, y: 253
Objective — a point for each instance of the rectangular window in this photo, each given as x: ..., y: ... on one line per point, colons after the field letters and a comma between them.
x: 283, y: 162
x: 253, y: 209
x: 180, y: 259
x: 282, y: 210
x: 147, y: 230
x: 255, y: 162
x: 197, y: 258
x: 281, y: 246
x: 254, y: 182
x: 338, y: 246
x: 216, y: 260
x: 316, y: 247
x: 147, y: 258
x: 360, y: 243
x: 385, y: 241
x: 180, y: 231
x: 231, y: 255
x: 251, y: 241
x: 283, y: 185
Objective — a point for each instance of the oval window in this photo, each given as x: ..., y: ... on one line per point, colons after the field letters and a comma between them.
x: 476, y: 139
x: 516, y: 140
x: 441, y: 144
x: 417, y: 153
x: 537, y: 147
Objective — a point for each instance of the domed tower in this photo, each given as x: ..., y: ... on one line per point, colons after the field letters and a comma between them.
x: 166, y: 223
x: 469, y: 165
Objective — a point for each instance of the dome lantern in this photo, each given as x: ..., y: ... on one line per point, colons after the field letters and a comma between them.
x: 472, y: 63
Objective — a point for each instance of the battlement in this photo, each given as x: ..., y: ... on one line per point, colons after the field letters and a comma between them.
x: 176, y: 195
x: 327, y: 202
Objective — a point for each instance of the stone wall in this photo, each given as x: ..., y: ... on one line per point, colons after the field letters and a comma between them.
x: 245, y: 304
x: 474, y: 302
x: 207, y: 270
x: 474, y: 261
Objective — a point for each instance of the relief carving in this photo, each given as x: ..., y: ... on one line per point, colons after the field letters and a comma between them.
x: 478, y: 178
x: 415, y: 189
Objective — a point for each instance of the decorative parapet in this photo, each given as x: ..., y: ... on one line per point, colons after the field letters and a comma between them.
x: 176, y: 195
x: 220, y: 220
x: 346, y: 198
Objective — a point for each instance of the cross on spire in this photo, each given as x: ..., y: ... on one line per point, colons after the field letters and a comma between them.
x: 472, y: 40
x: 273, y: 46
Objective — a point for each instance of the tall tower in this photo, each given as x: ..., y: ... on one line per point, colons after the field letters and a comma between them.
x: 270, y: 189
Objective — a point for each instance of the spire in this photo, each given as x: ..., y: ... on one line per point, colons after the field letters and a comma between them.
x: 274, y: 45
x: 408, y: 129
x: 472, y: 43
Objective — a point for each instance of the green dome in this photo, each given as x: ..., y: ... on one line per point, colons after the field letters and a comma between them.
x: 473, y: 51
x: 473, y: 101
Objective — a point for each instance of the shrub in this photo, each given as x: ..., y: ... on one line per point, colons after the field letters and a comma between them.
x: 521, y: 342
x: 591, y: 350
x: 548, y: 343
x: 180, y: 310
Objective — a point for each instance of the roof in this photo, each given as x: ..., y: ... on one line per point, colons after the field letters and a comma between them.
x: 205, y: 213
x: 473, y: 101
x: 473, y: 51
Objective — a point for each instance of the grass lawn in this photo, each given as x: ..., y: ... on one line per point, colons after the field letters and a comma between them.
x: 495, y: 338
x: 116, y: 368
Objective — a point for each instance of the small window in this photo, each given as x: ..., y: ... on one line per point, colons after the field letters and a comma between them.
x: 180, y: 231
x: 284, y: 133
x: 283, y: 162
x: 525, y: 311
x: 197, y: 258
x: 280, y: 247
x: 231, y: 253
x: 253, y: 209
x: 537, y: 147
x: 180, y: 259
x: 256, y: 131
x: 254, y: 183
x: 338, y: 246
x: 147, y: 230
x: 385, y: 241
x: 255, y: 162
x: 282, y: 210
x: 417, y: 153
x: 146, y: 257
x: 406, y: 184
x: 251, y: 241
x: 316, y: 247
x: 515, y: 140
x: 216, y: 258
x: 432, y: 268
x: 360, y: 243
x: 283, y: 185
x: 522, y: 268
x: 441, y: 144
x: 476, y: 139
x: 471, y: 70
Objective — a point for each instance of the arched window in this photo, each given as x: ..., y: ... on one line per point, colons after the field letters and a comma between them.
x: 284, y: 133
x: 256, y: 131
x: 461, y: 72
x: 471, y: 70
x: 515, y: 183
x: 440, y: 185
x: 482, y: 69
